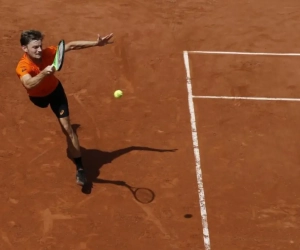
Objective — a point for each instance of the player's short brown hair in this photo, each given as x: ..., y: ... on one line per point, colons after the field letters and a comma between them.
x: 29, y: 35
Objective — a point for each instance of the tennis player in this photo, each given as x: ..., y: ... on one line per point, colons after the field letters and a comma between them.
x: 37, y: 76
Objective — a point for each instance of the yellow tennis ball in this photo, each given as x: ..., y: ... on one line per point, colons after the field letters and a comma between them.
x: 118, y: 93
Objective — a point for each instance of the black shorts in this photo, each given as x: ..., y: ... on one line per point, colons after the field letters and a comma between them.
x: 57, y: 100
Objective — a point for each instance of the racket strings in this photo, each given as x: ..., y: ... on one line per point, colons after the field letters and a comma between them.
x: 59, y: 56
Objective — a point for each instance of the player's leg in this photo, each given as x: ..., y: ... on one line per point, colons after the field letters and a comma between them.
x: 73, y: 142
x: 74, y: 147
x: 59, y: 105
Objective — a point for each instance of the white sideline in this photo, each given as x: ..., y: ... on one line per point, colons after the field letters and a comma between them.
x: 196, y: 154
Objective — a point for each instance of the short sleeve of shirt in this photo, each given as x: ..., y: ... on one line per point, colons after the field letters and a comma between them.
x: 22, y: 69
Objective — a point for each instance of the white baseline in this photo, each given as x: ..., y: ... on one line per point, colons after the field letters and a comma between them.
x: 247, y: 98
x: 196, y: 153
x: 242, y: 53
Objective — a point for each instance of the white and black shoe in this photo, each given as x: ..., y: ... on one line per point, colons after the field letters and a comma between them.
x: 80, y: 177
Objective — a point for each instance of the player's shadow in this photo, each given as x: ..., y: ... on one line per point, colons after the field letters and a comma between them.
x: 94, y: 159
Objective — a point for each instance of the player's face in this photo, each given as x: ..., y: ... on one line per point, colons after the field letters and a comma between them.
x: 34, y: 49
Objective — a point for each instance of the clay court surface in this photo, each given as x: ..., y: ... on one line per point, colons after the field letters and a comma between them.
x: 249, y: 148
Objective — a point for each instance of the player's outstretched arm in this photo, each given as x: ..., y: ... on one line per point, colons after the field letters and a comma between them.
x: 76, y: 45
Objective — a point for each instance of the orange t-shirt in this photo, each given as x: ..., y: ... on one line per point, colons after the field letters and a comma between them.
x: 26, y: 66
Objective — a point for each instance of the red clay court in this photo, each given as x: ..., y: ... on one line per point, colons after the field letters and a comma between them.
x: 214, y: 136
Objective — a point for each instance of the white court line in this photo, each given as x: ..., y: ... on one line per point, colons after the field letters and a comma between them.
x: 248, y: 98
x: 243, y: 53
x: 196, y: 153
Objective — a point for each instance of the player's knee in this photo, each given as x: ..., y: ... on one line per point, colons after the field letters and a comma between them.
x: 63, y: 111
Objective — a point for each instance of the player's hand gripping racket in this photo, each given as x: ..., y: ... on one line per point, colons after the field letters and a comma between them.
x: 59, y: 56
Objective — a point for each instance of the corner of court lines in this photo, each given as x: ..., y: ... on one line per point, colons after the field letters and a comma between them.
x: 194, y: 134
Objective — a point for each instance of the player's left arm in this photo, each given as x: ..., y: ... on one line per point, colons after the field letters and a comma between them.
x: 76, y: 45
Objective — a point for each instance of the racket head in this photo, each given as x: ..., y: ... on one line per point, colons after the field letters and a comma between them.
x: 144, y: 195
x: 59, y: 56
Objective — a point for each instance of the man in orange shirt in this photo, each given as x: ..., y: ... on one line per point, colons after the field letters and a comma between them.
x: 36, y: 73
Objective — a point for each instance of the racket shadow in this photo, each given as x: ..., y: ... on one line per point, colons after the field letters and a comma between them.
x: 95, y: 159
x: 142, y: 195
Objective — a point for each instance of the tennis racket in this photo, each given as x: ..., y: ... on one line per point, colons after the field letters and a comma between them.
x: 59, y: 56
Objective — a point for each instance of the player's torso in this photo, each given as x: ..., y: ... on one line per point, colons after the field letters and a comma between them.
x: 49, y: 83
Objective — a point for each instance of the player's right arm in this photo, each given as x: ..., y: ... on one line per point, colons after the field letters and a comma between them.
x: 30, y: 82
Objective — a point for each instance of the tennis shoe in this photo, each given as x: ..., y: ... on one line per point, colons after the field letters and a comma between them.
x: 80, y: 177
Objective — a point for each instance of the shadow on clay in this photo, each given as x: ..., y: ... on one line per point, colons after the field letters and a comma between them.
x: 94, y: 159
